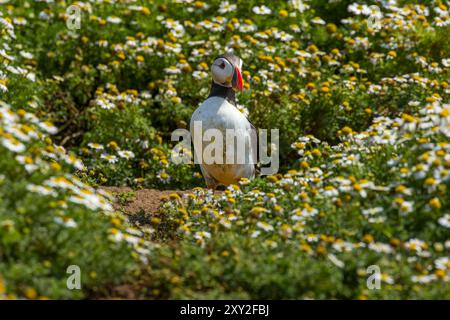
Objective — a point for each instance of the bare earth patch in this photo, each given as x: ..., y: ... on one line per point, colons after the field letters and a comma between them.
x: 147, y: 200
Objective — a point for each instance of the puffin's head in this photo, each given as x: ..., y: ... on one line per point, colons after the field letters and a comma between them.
x: 226, y: 71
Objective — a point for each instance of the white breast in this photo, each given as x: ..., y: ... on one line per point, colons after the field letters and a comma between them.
x: 218, y: 113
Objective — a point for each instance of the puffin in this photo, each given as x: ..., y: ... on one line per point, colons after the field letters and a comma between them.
x: 219, y: 112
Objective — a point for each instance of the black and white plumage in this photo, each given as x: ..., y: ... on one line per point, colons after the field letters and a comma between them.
x: 219, y: 112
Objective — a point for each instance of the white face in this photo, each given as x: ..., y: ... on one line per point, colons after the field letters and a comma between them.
x: 222, y: 72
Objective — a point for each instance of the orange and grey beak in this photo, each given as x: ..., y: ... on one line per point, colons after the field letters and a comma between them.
x: 237, y: 81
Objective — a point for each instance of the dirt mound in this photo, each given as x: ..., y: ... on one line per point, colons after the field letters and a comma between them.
x: 134, y: 201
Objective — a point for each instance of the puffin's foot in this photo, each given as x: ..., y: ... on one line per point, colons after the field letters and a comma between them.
x: 221, y: 187
x: 216, y: 186
x: 211, y: 183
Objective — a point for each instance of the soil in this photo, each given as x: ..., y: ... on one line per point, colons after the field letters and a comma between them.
x: 134, y: 203
x: 146, y: 200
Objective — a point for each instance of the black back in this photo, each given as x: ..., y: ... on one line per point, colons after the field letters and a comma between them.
x: 223, y: 92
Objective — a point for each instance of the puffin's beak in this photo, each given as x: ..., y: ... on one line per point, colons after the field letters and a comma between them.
x: 238, y: 82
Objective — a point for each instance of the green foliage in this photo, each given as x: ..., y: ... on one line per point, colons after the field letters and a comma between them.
x: 372, y: 190
x: 314, y: 231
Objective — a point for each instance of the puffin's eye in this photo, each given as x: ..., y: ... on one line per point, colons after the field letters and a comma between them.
x: 222, y: 65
